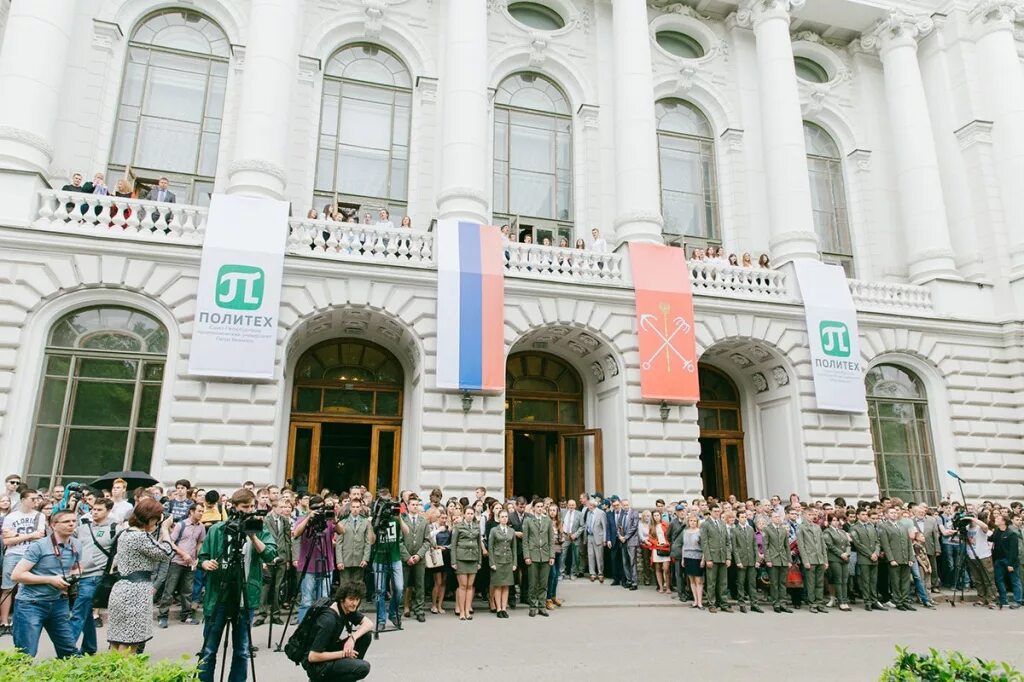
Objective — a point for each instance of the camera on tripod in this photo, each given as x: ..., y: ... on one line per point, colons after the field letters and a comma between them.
x: 242, y: 523
x: 962, y: 521
x: 384, y: 510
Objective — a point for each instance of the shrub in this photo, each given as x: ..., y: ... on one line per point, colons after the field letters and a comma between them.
x: 106, y: 667
x: 950, y: 666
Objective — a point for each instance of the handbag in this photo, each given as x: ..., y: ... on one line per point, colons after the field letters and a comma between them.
x: 435, y: 559
x: 793, y: 577
x: 664, y: 552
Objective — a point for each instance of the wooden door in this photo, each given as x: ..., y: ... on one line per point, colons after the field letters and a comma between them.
x: 580, y: 463
x: 304, y: 456
x: 385, y: 451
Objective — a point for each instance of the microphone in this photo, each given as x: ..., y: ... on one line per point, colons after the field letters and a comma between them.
x: 954, y: 475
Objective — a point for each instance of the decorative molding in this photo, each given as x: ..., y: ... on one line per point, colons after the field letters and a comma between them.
x: 309, y: 67
x: 760, y: 383
x: 780, y: 376
x: 975, y: 132
x: 538, y: 49
x: 639, y: 217
x: 105, y: 34
x: 733, y: 139
x: 611, y: 367
x: 27, y: 137
x: 588, y: 114
x: 676, y: 7
x: 238, y: 57
x: 751, y: 12
x: 597, y: 370
x: 373, y: 23
x: 496, y: 6
x: 861, y: 158
x: 259, y: 166
x: 995, y: 15
x: 427, y: 87
x: 461, y: 193
x: 897, y: 28
x: 685, y: 78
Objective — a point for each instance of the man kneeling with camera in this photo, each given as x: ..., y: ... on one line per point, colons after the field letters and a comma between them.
x: 340, y: 638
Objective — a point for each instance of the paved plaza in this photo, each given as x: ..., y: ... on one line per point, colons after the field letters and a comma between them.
x: 610, y: 632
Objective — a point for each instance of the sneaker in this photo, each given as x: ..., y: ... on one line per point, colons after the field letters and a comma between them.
x: 191, y: 620
x: 5, y: 630
x: 162, y: 623
x: 831, y: 602
x: 98, y: 620
x: 258, y: 621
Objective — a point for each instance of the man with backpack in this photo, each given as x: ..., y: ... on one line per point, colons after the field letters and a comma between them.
x: 332, y: 640
x: 96, y: 533
x: 186, y: 539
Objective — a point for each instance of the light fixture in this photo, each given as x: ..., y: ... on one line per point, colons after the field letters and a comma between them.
x: 467, y: 401
x: 664, y: 411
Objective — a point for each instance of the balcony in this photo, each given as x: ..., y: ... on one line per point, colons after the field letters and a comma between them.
x: 138, y: 220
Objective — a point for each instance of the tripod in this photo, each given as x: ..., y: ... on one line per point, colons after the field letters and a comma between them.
x: 235, y: 592
x: 961, y: 561
x: 318, y: 546
x: 382, y: 573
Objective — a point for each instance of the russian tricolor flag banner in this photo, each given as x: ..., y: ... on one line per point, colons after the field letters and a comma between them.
x: 470, y: 306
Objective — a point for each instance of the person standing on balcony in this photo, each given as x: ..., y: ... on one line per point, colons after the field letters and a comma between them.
x: 385, y: 220
x: 161, y: 193
x: 598, y: 244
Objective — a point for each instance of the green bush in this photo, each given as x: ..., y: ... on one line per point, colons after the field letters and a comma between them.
x: 950, y: 666
x: 106, y: 667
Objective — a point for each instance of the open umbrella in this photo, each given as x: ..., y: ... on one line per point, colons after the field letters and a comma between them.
x: 134, y: 479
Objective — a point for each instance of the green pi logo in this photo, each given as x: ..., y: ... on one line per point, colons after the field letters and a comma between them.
x: 239, y: 287
x: 835, y: 338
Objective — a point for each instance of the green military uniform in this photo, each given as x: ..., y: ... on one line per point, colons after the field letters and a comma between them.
x: 778, y: 558
x: 465, y: 544
x: 811, y: 544
x: 744, y: 558
x: 501, y: 550
x: 352, y: 550
x: 865, y: 542
x: 280, y: 529
x: 716, y: 546
x: 415, y: 543
x: 539, y: 548
x: 895, y: 541
x: 837, y: 544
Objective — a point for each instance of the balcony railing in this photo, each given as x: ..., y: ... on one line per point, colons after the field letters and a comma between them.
x: 559, y: 263
x: 122, y: 218
x: 890, y: 296
x: 721, y: 279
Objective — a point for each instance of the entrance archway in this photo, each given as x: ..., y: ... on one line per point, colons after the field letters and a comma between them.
x: 723, y: 466
x: 548, y: 452
x: 346, y: 417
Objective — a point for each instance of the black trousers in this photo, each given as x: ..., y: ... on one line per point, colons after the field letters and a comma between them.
x: 344, y: 669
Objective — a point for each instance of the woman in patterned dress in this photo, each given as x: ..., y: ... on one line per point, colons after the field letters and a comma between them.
x: 130, y: 613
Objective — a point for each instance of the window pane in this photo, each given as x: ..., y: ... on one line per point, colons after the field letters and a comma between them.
x: 399, y: 173
x: 708, y: 419
x: 149, y: 404
x: 153, y: 371
x: 325, y: 170
x: 58, y: 365
x: 175, y: 94
x: 730, y: 420
x: 215, y: 98
x: 532, y: 149
x: 366, y: 124
x: 348, y: 402
x: 208, y: 154
x: 94, y: 452
x: 308, y: 400
x: 531, y: 194
x: 107, y: 369
x: 102, y: 404
x: 51, y: 402
x: 134, y: 84
x: 387, y: 404
x: 897, y: 473
x: 363, y: 172
x: 168, y: 145
x: 385, y: 458
x: 44, y: 449
x: 535, y: 411
x: 569, y: 413
x: 142, y: 456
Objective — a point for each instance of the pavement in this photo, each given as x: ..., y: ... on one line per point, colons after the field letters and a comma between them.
x: 611, y: 632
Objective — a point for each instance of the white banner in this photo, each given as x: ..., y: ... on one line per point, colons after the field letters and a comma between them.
x: 832, y: 332
x: 239, y: 298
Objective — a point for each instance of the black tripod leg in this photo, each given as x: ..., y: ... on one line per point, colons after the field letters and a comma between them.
x: 298, y: 596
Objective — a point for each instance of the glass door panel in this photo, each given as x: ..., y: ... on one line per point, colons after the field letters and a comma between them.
x: 304, y: 455
x: 384, y: 458
x: 581, y: 463
x: 734, y: 469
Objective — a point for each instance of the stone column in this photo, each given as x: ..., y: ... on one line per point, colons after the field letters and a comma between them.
x: 637, y: 186
x: 33, y: 61
x: 463, y: 190
x: 1003, y: 87
x: 922, y: 211
x: 790, y: 221
x: 258, y: 166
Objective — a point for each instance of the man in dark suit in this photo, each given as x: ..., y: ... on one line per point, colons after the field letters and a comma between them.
x: 614, y: 558
x: 516, y: 519
x: 630, y: 540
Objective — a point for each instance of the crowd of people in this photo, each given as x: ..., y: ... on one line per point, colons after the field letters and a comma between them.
x: 717, y: 255
x: 416, y: 557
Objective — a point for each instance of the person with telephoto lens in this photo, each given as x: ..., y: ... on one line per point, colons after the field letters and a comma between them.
x: 232, y: 554
x: 315, y: 532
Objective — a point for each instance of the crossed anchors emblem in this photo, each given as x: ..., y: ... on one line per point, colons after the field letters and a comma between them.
x: 649, y: 322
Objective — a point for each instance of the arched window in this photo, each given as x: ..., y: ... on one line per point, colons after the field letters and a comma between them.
x: 533, y: 157
x: 363, y: 149
x: 689, y: 191
x: 172, y: 105
x: 900, y: 432
x: 100, y: 394
x: 828, y: 197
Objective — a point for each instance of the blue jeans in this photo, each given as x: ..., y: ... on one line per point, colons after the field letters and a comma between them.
x: 32, y: 617
x: 82, y: 624
x: 922, y: 590
x: 382, y: 573
x: 1001, y: 575
x: 553, y: 576
x: 198, y: 580
x: 213, y: 631
x: 312, y: 587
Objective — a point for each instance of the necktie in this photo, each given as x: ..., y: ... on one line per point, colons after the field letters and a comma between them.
x: 160, y: 197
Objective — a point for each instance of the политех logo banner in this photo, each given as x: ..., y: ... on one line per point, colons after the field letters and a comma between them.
x: 832, y: 333
x: 665, y: 327
x: 239, y: 298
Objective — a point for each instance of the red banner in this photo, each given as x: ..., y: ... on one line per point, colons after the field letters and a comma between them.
x: 664, y: 319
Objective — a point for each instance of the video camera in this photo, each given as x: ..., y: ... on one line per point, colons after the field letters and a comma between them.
x: 242, y: 523
x: 384, y: 510
x: 962, y: 521
x: 319, y: 516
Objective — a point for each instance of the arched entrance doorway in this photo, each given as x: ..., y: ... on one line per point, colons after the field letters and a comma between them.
x: 346, y: 417
x: 547, y: 451
x: 723, y: 467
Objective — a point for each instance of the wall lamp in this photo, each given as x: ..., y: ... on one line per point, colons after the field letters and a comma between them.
x: 467, y: 401
x: 664, y: 411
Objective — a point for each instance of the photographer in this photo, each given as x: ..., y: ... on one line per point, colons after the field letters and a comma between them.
x: 48, y: 573
x: 315, y: 532
x: 341, y: 639
x: 979, y: 558
x: 231, y: 557
x: 387, y: 557
x: 96, y: 535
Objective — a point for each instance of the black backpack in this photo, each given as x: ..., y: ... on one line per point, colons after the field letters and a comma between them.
x: 298, y: 645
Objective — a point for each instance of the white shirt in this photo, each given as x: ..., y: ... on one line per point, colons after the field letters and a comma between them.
x: 23, y: 524
x: 121, y: 511
x: 599, y: 245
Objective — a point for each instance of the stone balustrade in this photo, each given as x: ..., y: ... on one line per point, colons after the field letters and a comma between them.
x: 891, y: 296
x: 120, y: 217
x: 354, y: 241
x: 714, y: 278
x: 560, y: 263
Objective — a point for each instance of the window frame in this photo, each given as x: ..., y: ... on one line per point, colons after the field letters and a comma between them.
x: 809, y: 65
x: 839, y: 216
x: 682, y: 38
x: 712, y: 201
x: 539, y: 9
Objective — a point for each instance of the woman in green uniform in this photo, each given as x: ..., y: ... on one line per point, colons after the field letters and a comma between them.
x: 837, y: 544
x: 467, y: 549
x: 501, y: 545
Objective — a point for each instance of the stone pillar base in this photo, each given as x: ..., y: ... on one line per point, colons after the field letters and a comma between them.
x: 19, y: 197
x: 957, y: 298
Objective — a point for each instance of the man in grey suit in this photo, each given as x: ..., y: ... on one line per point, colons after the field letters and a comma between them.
x: 630, y: 540
x: 572, y: 530
x: 596, y: 541
x: 929, y: 527
x: 161, y: 193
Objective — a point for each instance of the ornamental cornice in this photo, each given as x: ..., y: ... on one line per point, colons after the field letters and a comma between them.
x: 898, y: 28
x: 639, y: 217
x: 733, y: 139
x: 997, y: 14
x: 861, y: 158
x: 427, y: 87
x: 975, y: 132
x: 105, y: 34
x: 309, y: 67
x: 258, y: 166
x: 676, y: 7
x: 26, y: 137
x: 588, y: 114
x: 750, y: 13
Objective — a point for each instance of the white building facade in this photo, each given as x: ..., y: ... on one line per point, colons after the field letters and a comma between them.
x: 886, y: 136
